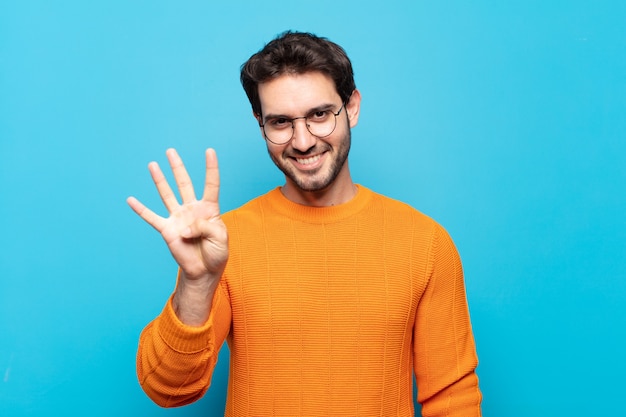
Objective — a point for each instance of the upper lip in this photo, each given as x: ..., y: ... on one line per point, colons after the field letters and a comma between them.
x: 310, y: 154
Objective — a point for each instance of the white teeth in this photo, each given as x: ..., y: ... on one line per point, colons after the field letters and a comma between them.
x: 307, y: 161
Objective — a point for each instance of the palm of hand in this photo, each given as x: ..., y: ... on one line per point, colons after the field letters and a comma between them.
x: 194, y: 232
x: 197, y: 238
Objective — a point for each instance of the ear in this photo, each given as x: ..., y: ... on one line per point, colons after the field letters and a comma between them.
x: 353, y: 107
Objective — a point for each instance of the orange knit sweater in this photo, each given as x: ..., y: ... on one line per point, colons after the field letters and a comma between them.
x: 327, y: 312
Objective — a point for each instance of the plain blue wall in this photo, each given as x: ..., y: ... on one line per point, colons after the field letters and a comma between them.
x: 505, y: 121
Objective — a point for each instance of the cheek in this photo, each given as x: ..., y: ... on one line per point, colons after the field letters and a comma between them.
x: 275, y: 151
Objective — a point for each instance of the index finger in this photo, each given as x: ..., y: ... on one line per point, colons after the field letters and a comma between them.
x: 212, y: 178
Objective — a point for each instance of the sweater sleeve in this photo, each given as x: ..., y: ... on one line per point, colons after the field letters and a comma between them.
x: 445, y: 353
x: 175, y: 362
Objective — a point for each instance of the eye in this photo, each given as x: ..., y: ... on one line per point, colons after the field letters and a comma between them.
x: 279, y: 123
x: 319, y: 116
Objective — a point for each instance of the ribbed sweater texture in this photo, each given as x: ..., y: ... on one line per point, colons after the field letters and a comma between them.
x: 327, y: 312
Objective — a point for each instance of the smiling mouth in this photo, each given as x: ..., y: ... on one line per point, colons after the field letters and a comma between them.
x: 309, y: 161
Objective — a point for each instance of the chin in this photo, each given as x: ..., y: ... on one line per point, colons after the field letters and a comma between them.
x: 312, y: 187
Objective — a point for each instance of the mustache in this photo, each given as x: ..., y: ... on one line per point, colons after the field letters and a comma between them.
x: 314, y: 150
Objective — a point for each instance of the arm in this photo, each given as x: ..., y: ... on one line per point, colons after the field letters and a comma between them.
x: 445, y: 354
x: 175, y: 362
x: 178, y: 350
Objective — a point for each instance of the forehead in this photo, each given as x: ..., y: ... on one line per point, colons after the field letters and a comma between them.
x: 295, y: 94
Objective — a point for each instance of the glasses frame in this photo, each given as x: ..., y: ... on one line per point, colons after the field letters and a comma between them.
x: 293, y: 126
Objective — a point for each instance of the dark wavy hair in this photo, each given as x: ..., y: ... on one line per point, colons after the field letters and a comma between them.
x: 297, y: 53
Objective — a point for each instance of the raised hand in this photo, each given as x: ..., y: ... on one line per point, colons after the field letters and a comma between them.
x: 194, y: 231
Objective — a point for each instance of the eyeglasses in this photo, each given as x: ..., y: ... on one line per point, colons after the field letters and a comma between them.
x: 320, y: 123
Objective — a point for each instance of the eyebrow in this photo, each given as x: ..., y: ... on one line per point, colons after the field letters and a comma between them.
x: 322, y: 107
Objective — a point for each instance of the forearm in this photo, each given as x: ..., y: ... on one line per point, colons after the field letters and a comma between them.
x: 175, y: 362
x: 193, y: 299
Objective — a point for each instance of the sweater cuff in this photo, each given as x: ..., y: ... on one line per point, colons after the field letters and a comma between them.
x: 181, y: 337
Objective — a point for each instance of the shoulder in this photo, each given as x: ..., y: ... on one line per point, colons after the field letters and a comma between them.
x: 401, y: 211
x: 402, y: 216
x: 248, y: 211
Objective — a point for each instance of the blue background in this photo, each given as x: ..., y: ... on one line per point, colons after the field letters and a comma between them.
x: 505, y: 121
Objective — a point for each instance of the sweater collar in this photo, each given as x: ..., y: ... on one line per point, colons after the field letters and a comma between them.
x: 308, y: 214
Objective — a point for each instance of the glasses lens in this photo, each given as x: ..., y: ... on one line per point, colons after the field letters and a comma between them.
x: 279, y: 137
x: 321, y: 124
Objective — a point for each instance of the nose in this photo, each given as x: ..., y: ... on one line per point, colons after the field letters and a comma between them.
x: 302, y: 139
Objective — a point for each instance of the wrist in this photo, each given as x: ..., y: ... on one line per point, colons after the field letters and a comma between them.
x: 193, y: 298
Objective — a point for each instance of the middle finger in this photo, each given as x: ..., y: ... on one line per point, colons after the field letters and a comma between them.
x: 185, y: 187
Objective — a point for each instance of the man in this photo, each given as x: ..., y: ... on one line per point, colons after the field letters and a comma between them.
x: 329, y: 295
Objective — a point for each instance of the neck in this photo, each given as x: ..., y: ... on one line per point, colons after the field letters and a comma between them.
x: 340, y: 191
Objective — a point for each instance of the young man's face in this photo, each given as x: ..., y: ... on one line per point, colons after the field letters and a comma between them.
x: 310, y: 163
